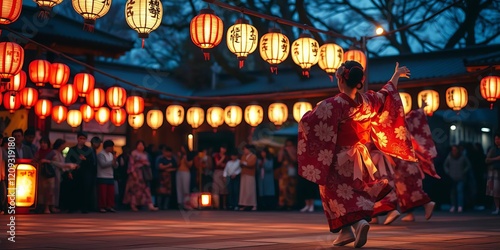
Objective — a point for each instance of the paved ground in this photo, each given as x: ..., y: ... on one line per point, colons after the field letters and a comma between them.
x: 241, y: 230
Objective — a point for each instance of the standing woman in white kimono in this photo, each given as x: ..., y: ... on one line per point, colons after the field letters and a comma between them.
x: 332, y: 151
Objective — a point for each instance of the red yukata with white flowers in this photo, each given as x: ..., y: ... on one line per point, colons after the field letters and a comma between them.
x: 408, y: 176
x: 332, y: 152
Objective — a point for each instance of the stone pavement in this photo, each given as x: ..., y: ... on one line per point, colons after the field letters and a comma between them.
x: 240, y: 230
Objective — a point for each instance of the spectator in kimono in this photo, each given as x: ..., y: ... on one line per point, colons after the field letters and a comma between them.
x: 183, y: 178
x: 106, y: 162
x: 137, y: 192
x: 265, y: 179
x: 84, y: 176
x: 248, y: 189
x: 456, y: 166
x: 166, y: 165
x: 22, y: 151
x: 219, y: 190
x: 493, y: 181
x: 287, y: 173
x: 56, y: 159
x: 232, y: 173
x: 335, y: 132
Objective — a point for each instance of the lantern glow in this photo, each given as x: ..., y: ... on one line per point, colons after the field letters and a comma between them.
x: 206, y: 199
x: 406, y: 100
x: 11, y: 101
x: 299, y: 109
x: 91, y: 10
x: 102, y: 115
x: 10, y: 11
x: 74, y: 118
x: 144, y: 16
x: 11, y: 60
x: 195, y: 117
x: 456, y: 98
x: 305, y: 53
x: 215, y: 117
x: 43, y: 108
x: 116, y: 97
x: 17, y: 82
x: 68, y: 94
x: 278, y: 113
x: 84, y: 83
x: 96, y: 98
x: 175, y: 115
x: 331, y: 57
x: 206, y: 30
x: 254, y: 114
x: 118, y: 117
x: 136, y: 121
x: 59, y: 113
x: 46, y: 6
x: 28, y: 97
x: 39, y: 72
x: 274, y: 48
x: 490, y: 89
x: 26, y: 183
x: 356, y: 55
x: 242, y: 39
x: 134, y: 105
x: 431, y: 98
x: 233, y: 115
x: 59, y: 74
x: 155, y: 119
x: 87, y: 112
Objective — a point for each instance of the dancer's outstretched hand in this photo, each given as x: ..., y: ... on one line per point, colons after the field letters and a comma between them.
x: 402, y: 71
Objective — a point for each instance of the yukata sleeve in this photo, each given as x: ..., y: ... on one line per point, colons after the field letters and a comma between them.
x: 421, y: 138
x: 317, y: 138
x: 389, y: 132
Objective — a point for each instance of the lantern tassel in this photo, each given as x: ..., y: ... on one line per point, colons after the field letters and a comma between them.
x: 305, y: 73
x: 88, y: 27
x: 215, y: 130
x: 207, y: 56
x: 154, y: 132
x: 173, y: 128
x: 142, y: 43
x: 331, y: 78
x: 242, y: 63
x: 44, y: 14
x: 491, y: 105
x: 274, y: 70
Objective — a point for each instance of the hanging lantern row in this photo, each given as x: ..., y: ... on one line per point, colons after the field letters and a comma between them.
x: 206, y: 30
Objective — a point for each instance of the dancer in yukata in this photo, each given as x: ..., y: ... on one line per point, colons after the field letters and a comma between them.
x: 406, y: 177
x: 332, y: 151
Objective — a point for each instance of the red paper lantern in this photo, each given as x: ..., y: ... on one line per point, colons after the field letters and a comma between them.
x: 118, y: 117
x: 28, y: 97
x: 68, y: 94
x: 17, y: 82
x: 116, y: 97
x: 96, y: 98
x: 84, y: 83
x: 59, y: 113
x: 43, y: 107
x: 11, y: 60
x: 206, y: 30
x: 87, y: 112
x: 134, y: 105
x: 39, y: 71
x: 356, y: 55
x: 490, y: 89
x: 59, y: 74
x: 10, y: 11
x: 102, y: 115
x: 11, y: 101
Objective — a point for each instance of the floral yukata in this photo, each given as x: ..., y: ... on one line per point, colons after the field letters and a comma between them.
x: 406, y: 177
x: 332, y: 152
